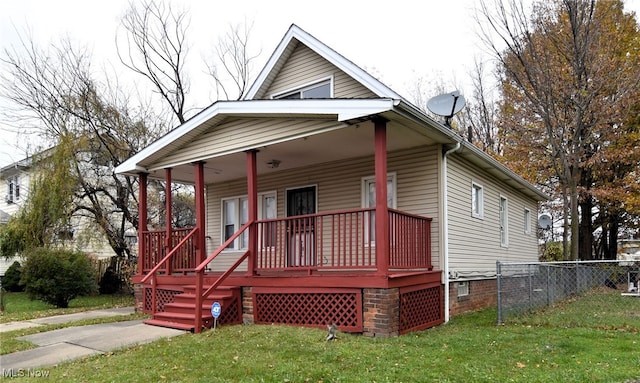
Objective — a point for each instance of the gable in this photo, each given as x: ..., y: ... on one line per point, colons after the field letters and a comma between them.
x: 290, y: 42
x: 300, y: 61
x: 304, y: 66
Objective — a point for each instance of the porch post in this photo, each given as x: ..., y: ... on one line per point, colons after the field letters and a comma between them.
x: 142, y: 220
x: 382, y: 210
x: 167, y: 207
x: 252, y: 197
x: 200, y: 212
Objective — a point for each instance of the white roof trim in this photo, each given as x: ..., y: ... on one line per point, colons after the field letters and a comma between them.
x: 344, y: 110
x: 327, y: 53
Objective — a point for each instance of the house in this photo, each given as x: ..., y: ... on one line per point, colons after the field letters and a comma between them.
x: 81, y: 234
x: 325, y: 197
x: 12, y: 196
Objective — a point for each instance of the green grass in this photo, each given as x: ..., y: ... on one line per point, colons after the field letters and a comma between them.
x: 470, y: 348
x: 18, y: 306
x: 602, y: 308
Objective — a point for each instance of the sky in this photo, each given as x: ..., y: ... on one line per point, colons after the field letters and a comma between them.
x: 393, y: 40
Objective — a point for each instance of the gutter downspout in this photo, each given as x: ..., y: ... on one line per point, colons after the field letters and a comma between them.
x: 445, y: 227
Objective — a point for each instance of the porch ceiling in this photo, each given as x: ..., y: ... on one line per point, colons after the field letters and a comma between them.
x: 353, y: 141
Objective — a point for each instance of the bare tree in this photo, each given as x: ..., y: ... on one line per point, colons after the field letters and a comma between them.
x: 156, y: 48
x: 481, y: 113
x: 54, y: 93
x: 232, y: 65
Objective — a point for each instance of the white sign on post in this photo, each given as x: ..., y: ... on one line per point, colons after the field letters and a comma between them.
x: 216, y: 309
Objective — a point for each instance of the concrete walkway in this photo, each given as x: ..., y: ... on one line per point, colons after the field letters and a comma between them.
x: 70, y: 343
x: 66, y: 318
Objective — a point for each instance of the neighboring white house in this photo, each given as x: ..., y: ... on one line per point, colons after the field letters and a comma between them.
x: 16, y: 182
x: 13, y: 192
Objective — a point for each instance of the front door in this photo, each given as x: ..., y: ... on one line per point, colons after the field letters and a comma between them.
x: 300, y: 231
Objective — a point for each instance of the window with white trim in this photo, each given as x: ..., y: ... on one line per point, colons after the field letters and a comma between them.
x: 463, y: 288
x: 477, y: 200
x: 504, y: 222
x: 235, y: 213
x: 13, y: 189
x: 527, y: 221
x: 369, y: 199
x: 320, y: 89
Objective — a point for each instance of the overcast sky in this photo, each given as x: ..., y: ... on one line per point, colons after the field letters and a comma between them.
x: 393, y: 40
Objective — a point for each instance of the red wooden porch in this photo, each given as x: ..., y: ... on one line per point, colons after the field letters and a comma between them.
x: 319, y: 262
x: 367, y: 270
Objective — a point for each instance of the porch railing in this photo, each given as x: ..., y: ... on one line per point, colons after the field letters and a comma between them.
x: 342, y: 240
x: 410, y: 246
x: 336, y: 240
x: 165, y: 261
x: 184, y: 258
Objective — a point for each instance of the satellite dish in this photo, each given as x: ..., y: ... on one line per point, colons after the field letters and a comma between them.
x: 446, y: 105
x: 544, y: 221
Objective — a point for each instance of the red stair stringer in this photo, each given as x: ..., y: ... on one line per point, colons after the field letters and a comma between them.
x: 180, y: 314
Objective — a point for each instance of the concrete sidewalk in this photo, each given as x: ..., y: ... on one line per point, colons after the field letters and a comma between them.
x: 70, y: 343
x: 66, y: 318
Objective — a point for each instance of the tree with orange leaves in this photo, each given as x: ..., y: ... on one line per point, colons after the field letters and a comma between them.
x: 570, y: 71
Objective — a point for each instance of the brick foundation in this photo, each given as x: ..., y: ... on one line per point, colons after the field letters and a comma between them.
x: 482, y: 294
x: 247, y: 305
x: 138, y: 293
x: 381, y: 312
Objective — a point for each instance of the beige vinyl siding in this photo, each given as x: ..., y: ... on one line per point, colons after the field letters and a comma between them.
x: 339, y: 186
x: 304, y: 66
x: 474, y: 243
x: 244, y: 133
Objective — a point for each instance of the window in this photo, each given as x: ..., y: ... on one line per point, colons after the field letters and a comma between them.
x: 477, y: 203
x: 268, y: 210
x: 13, y: 189
x: 504, y: 222
x: 463, y: 288
x: 369, y: 199
x: 235, y: 213
x: 527, y: 221
x: 316, y: 90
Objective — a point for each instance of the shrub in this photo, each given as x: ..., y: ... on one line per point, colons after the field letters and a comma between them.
x: 11, y: 279
x: 57, y: 276
x: 552, y: 253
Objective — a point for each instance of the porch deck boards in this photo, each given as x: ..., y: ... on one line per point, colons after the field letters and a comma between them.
x: 320, y: 278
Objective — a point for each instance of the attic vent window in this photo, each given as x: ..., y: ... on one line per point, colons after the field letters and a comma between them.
x: 317, y: 90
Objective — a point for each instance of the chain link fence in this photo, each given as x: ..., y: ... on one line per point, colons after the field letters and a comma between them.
x: 602, y: 287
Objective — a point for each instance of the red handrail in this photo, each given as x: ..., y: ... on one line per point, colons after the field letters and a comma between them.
x: 166, y: 258
x: 169, y: 255
x: 200, y: 274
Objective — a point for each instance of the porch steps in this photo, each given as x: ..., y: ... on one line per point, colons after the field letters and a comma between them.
x: 181, y: 313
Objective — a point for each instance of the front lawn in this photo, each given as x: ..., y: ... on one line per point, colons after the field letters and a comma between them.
x: 470, y: 348
x: 18, y: 306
